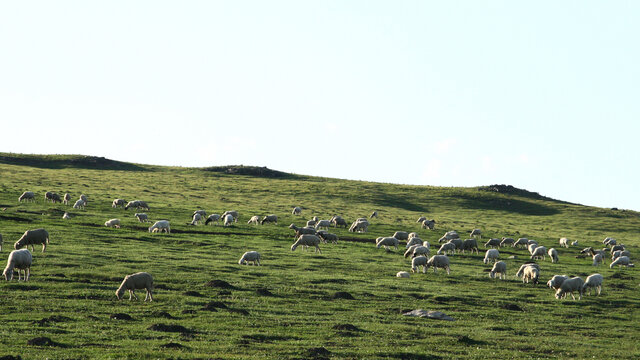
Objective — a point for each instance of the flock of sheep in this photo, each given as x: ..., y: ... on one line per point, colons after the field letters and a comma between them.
x: 315, y: 232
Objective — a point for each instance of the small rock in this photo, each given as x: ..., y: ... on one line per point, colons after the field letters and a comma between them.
x: 512, y: 257
x: 429, y: 314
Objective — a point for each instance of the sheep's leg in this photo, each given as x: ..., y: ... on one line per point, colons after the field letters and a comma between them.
x: 27, y: 274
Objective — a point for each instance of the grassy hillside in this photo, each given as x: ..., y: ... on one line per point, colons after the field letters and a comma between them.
x: 292, y: 306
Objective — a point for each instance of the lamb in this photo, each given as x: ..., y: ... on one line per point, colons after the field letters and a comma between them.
x: 338, y: 221
x: 417, y: 262
x: 373, y: 215
x: 574, y: 243
x: 323, y: 224
x: 621, y: 261
x: 593, y: 281
x: 540, y: 251
x: 618, y: 253
x: 254, y: 220
x: 493, y: 243
x: 491, y: 255
x: 300, y: 231
x: 138, y: 204
x: 26, y: 196
x: 402, y: 274
x: 555, y: 282
x: 250, y: 256
x: 307, y: 240
x: 386, y: 242
x: 476, y: 232
x: 141, y: 280
x: 470, y: 244
x: 21, y: 260
x: 233, y: 213
x: 296, y: 211
x: 564, y: 242
x: 448, y: 236
x: 499, y: 267
x: 65, y: 216
x: 228, y: 220
x: 212, y: 218
x: 196, y: 219
x: 33, y: 237
x: 430, y: 224
x: 439, y: 261
x: 507, y: 241
x: 520, y: 242
x: 328, y: 237
x: 142, y: 217
x: 593, y: 252
x: 447, y: 247
x: 532, y: 248
x: 160, y: 226
x: 569, y: 286
x: 118, y: 202
x: 66, y: 198
x: 597, y: 259
x: 401, y: 235
x: 113, y: 223
x: 79, y: 204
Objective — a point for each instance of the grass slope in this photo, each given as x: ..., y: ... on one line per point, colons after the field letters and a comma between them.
x: 288, y: 308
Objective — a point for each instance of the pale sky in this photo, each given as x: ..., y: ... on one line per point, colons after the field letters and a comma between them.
x: 540, y: 95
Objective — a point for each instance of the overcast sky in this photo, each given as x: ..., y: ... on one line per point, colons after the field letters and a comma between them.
x: 540, y: 95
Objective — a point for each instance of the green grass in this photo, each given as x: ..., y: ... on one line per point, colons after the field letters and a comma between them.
x: 75, y: 280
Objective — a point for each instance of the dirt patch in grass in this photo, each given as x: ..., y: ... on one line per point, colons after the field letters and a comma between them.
x: 264, y: 292
x: 213, y: 305
x: 318, y: 353
x: 162, y: 314
x: 192, y: 293
x: 169, y: 328
x: 464, y: 339
x: 512, y: 307
x: 120, y: 316
x: 342, y: 295
x: 52, y: 319
x: 43, y: 341
x: 219, y: 284
x: 172, y: 345
x: 346, y: 327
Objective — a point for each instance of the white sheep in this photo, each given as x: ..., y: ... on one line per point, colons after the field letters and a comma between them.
x: 412, y: 235
x: 66, y: 198
x: 621, y: 261
x: 386, y: 242
x: 616, y: 254
x: 447, y: 248
x: 520, y: 242
x: 609, y: 241
x: 414, y: 241
x: 233, y: 213
x: 428, y: 224
x: 598, y: 259
x: 66, y: 216
x: 33, y: 237
x: 311, y: 223
x: 476, y: 232
x: 79, y: 204
x: 538, y: 251
x: 338, y: 221
x: 115, y: 223
x: 326, y: 236
x: 402, y: 274
x: 555, y: 282
x: 593, y: 281
x: 448, y: 236
x: 493, y: 243
x: 142, y: 217
x: 300, y: 231
x: 203, y: 213
x: 138, y: 204
x: 51, y: 196
x: 250, y: 256
x: 26, y: 196
x: 507, y: 241
x: 401, y: 235
x: 307, y: 240
x: 323, y: 224
x: 118, y: 202
x: 255, y: 219
x: 439, y: 261
x: 228, y: 220
x: 269, y: 219
x: 421, y: 219
x: 196, y: 219
x: 21, y: 260
x: 296, y: 211
x: 416, y: 250
x: 617, y: 247
x: 84, y: 198
x: 160, y: 226
x: 491, y: 255
x: 529, y: 272
x: 553, y: 254
x: 471, y: 245
x: 359, y: 226
x: 574, y: 243
x: 569, y: 286
x: 417, y: 262
x: 141, y: 280
x: 564, y: 242
x: 213, y: 218
x: 499, y: 267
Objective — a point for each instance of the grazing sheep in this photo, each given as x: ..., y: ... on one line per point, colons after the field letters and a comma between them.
x: 33, y: 237
x: 113, y: 223
x: 457, y: 243
x: 439, y: 261
x: 27, y: 195
x: 338, y: 221
x: 359, y: 226
x: 532, y: 248
x: 416, y: 250
x: 539, y: 251
x: 269, y: 219
x: 414, y: 241
x: 21, y: 260
x: 494, y: 242
x: 228, y: 220
x: 448, y: 236
x: 66, y: 198
x: 138, y: 204
x: 491, y: 255
x: 574, y: 243
x: 499, y: 267
x: 598, y: 259
x: 521, y: 242
x: 401, y: 235
x: 529, y: 272
x: 429, y: 224
x: 300, y: 231
x: 311, y: 223
x: 373, y: 215
x: 593, y: 281
x: 325, y: 236
x: 79, y: 204
x: 160, y: 226
x: 618, y: 253
x: 296, y: 211
x: 507, y: 241
x: 118, y: 202
x: 51, y: 196
x: 196, y: 219
x: 417, y: 262
x: 412, y: 235
x: 84, y: 198
x: 553, y: 254
x: 141, y: 280
x: 470, y: 244
x: 564, y: 242
x: 609, y: 241
x: 212, y: 218
x: 250, y: 256
x: 307, y: 240
x: 402, y: 274
x: 616, y: 248
x: 569, y: 286
x: 255, y: 219
x: 447, y: 248
x: 555, y: 282
x: 621, y: 261
x: 421, y: 219
x: 593, y: 252
x: 66, y: 216
x: 142, y: 217
x: 476, y: 232
x: 233, y: 213
x: 386, y: 242
x: 323, y: 224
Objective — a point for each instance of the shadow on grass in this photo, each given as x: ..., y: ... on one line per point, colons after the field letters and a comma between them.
x: 488, y: 202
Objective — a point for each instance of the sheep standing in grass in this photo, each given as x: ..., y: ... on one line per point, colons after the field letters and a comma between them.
x: 21, y: 260
x: 574, y: 243
x: 359, y: 226
x: 529, y: 272
x: 213, y: 218
x: 493, y: 243
x: 255, y: 219
x: 79, y: 204
x: 569, y: 286
x: 307, y: 240
x: 338, y: 221
x: 616, y: 248
x: 323, y: 224
x: 296, y: 211
x: 449, y: 235
x: 476, y: 232
x: 196, y: 219
x: 228, y: 220
x: 447, y: 248
x: 138, y: 204
x: 233, y: 213
x: 553, y: 254
x: 471, y: 245
x: 26, y: 196
x: 593, y: 281
x: 401, y: 235
x: 326, y: 237
x: 115, y: 223
x: 33, y: 237
x: 609, y: 241
x: 269, y: 219
x: 564, y: 242
x: 141, y: 280
x: 118, y: 202
x: 491, y: 255
x: 250, y: 256
x: 414, y: 241
x: 507, y: 241
x: 416, y: 250
x: 160, y: 226
x: 51, y: 196
x: 520, y: 242
x: 538, y: 252
x: 386, y: 242
x: 439, y: 261
x: 621, y: 261
x: 555, y: 282
x: 616, y: 254
x: 428, y: 224
x: 403, y: 274
x: 598, y: 259
x: 421, y: 219
x: 66, y: 198
x: 142, y: 217
x: 84, y: 198
x: 203, y: 213
x: 418, y: 261
x: 302, y: 230
x: 499, y: 267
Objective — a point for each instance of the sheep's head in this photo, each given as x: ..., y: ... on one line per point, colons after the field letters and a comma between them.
x: 492, y: 275
x: 293, y: 247
x: 119, y: 293
x: 8, y: 274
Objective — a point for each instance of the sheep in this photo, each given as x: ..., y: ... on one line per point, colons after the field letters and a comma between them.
x: 421, y: 219
x: 401, y: 235
x: 531, y: 242
x: 373, y: 215
x: 212, y: 218
x: 311, y: 223
x: 593, y: 252
x: 142, y: 217
x: 296, y: 211
x: 417, y: 262
x: 51, y: 196
x: 113, y: 223
x: 593, y: 281
x: 499, y: 267
x: 430, y: 224
x: 138, y: 204
x: 538, y: 252
x: 448, y: 236
x: 532, y: 248
x: 609, y: 241
x: 447, y: 247
x: 83, y: 197
x: 616, y: 248
x: 491, y: 255
x: 79, y: 204
x: 412, y: 235
x: 402, y: 274
x: 254, y: 220
x: 26, y: 196
x: 338, y: 221
x: 269, y: 219
x: 416, y: 250
x: 300, y: 231
x: 141, y: 280
x: 618, y: 253
x: 569, y: 286
x: 33, y: 237
x: 529, y: 272
x: 553, y: 254
x: 475, y: 232
x: 250, y: 256
x: 523, y: 266
x: 328, y: 237
x: 233, y: 213
x: 359, y: 226
x: 386, y: 242
x: 118, y: 202
x: 66, y: 198
x: 597, y: 259
x: 414, y: 241
x: 507, y: 241
x: 574, y: 243
x: 439, y: 261
x: 520, y: 242
x: 621, y: 261
x: 555, y: 282
x: 228, y: 220
x: 307, y: 240
x: 470, y: 244
x: 159, y: 226
x: 196, y: 219
x: 21, y: 260
x: 323, y: 224
x: 564, y: 242
x: 66, y: 216
x: 457, y: 243
x: 494, y: 242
